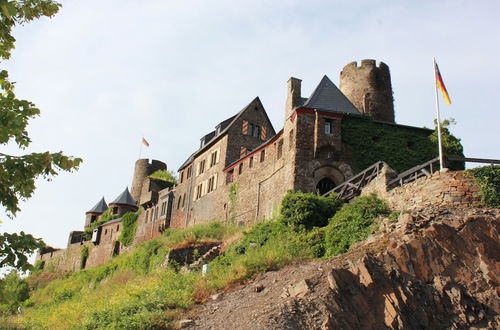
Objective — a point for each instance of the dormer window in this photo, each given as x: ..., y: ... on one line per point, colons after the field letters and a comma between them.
x: 202, y: 142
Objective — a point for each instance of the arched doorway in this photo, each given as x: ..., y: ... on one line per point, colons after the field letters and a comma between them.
x: 325, y: 185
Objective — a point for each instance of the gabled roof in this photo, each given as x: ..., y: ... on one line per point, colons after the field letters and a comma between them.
x: 222, y: 127
x: 125, y: 198
x: 329, y: 98
x: 100, y: 207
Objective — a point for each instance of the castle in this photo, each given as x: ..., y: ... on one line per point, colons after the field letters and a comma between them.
x: 243, y: 168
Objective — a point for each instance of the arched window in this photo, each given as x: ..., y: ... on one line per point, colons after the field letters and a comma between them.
x: 325, y: 185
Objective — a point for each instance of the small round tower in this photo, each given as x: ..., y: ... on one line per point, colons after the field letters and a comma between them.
x: 144, y: 168
x: 369, y: 88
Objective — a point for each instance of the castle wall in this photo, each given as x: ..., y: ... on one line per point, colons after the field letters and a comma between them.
x: 443, y: 188
x: 142, y: 169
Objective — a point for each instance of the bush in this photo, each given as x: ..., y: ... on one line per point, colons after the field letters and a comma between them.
x: 84, y: 254
x: 306, y: 210
x: 353, y: 223
x: 259, y: 235
x: 13, y: 291
x: 488, y: 178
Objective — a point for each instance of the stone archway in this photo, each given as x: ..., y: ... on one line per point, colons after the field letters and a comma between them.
x: 327, y: 177
x: 325, y: 185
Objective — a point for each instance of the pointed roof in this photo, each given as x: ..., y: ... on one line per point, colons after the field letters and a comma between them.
x: 100, y: 207
x: 328, y: 97
x: 124, y: 198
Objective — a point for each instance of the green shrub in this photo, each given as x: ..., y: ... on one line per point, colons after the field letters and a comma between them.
x: 105, y: 217
x: 129, y: 226
x: 164, y: 175
x: 259, y: 235
x: 488, y: 178
x: 352, y: 223
x: 306, y: 210
x: 14, y: 290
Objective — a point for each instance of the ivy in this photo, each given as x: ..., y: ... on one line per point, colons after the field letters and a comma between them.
x: 399, y: 146
x: 488, y: 178
x: 129, y: 226
x: 233, y: 190
x: 84, y: 254
x: 105, y: 217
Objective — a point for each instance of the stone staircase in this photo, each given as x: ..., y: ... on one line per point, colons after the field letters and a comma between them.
x: 206, y: 258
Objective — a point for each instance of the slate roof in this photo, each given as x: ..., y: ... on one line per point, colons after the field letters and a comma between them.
x: 100, y: 207
x: 124, y: 198
x: 327, y: 97
x: 222, y: 128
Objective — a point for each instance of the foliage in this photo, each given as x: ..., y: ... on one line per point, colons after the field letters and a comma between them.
x: 19, y: 172
x: 488, y: 178
x: 164, y: 175
x: 259, y: 235
x: 353, y: 223
x: 306, y: 210
x: 84, y: 254
x: 13, y: 292
x: 400, y: 147
x: 14, y: 249
x: 129, y: 225
x: 233, y: 190
x: 451, y: 145
x: 105, y: 217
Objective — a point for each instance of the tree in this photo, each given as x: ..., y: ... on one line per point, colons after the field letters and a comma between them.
x: 19, y: 172
x: 451, y: 144
x: 13, y: 292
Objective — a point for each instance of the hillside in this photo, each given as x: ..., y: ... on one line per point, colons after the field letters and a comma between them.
x: 434, y: 268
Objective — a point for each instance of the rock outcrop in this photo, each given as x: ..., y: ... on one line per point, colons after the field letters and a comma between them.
x: 436, y: 268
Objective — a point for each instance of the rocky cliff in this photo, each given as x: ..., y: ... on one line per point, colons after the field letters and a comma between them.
x: 434, y: 268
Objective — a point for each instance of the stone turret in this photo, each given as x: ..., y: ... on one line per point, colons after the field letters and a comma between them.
x: 143, y: 168
x: 369, y: 88
x: 93, y: 214
x: 123, y: 203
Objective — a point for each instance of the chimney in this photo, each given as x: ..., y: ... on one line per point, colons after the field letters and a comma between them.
x: 293, y: 99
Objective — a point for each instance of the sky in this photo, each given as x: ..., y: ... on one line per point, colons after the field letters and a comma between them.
x: 106, y: 73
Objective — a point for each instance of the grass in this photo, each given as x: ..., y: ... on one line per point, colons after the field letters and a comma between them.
x: 132, y: 291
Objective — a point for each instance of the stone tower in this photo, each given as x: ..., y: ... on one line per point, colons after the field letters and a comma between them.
x: 144, y: 168
x: 369, y: 88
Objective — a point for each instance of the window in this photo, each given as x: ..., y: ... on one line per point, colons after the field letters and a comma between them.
x: 262, y: 156
x: 182, y: 176
x: 179, y: 202
x: 201, y: 167
x: 117, y: 227
x: 279, y: 152
x: 163, y: 208
x: 212, y: 183
x: 213, y: 158
x: 240, y: 168
x: 328, y: 126
x: 250, y: 129
x: 189, y: 172
x: 105, y: 232
x: 256, y: 131
x: 183, y: 200
x: 93, y: 218
x: 250, y: 162
x: 230, y: 176
x: 199, y: 191
x: 115, y: 210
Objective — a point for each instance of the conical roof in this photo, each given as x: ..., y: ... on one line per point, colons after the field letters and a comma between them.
x: 124, y: 198
x: 100, y: 207
x: 328, y: 97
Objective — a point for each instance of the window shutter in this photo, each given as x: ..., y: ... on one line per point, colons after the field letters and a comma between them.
x: 204, y: 188
x: 244, y: 129
x: 215, y: 182
x: 243, y: 151
x: 217, y: 156
x: 262, y: 133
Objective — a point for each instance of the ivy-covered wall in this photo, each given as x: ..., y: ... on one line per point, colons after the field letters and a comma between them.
x: 401, y: 147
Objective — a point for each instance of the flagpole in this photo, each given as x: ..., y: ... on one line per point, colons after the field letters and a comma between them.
x: 140, y: 149
x: 440, y: 146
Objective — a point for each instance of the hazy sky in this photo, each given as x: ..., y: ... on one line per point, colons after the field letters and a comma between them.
x: 106, y: 72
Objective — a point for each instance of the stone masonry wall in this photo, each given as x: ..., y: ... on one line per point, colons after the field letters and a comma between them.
x: 443, y: 188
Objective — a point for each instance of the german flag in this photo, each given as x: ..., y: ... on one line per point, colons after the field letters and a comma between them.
x: 146, y: 143
x: 440, y: 84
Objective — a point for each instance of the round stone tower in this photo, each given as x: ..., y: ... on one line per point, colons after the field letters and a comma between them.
x: 144, y: 168
x: 369, y: 88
